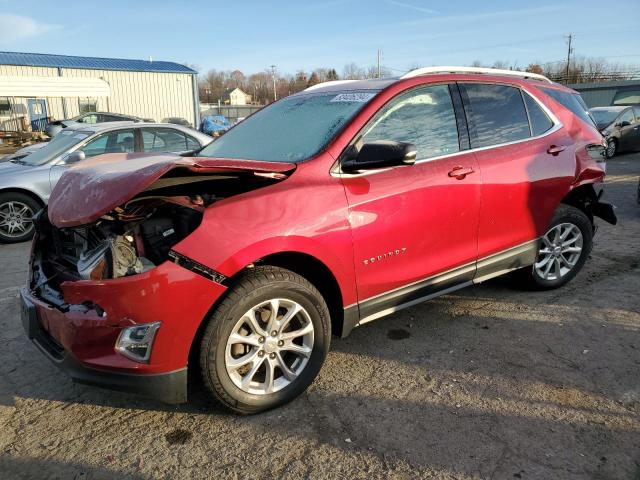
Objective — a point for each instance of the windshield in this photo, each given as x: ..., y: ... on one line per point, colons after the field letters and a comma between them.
x: 604, y: 117
x: 290, y: 130
x: 56, y: 146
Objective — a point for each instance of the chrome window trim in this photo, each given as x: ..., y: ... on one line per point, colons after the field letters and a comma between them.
x: 336, y: 171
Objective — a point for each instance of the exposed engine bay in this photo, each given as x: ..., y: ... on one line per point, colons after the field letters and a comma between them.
x: 134, y: 237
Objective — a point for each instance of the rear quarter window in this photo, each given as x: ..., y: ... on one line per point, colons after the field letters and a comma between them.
x: 571, y: 101
x: 540, y: 121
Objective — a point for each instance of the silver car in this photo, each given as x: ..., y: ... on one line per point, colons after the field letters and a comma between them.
x: 26, y: 182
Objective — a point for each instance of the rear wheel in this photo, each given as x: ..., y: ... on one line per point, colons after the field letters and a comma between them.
x: 16, y: 213
x: 562, y: 250
x: 266, y: 341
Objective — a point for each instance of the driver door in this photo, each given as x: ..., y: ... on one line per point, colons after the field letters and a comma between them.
x: 414, y: 228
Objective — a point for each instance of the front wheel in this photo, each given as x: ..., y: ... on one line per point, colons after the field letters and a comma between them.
x: 562, y: 250
x: 16, y: 213
x: 612, y: 148
x: 266, y: 341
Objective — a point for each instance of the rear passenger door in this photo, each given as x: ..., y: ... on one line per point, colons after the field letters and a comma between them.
x: 525, y: 161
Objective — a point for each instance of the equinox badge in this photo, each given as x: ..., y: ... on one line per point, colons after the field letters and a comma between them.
x: 389, y: 254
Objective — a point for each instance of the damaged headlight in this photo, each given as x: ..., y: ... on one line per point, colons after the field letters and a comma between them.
x: 136, y: 342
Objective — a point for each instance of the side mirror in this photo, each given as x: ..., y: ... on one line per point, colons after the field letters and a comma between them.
x: 74, y: 157
x: 624, y: 123
x: 380, y: 154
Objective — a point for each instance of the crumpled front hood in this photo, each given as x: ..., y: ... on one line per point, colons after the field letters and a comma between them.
x: 96, y: 186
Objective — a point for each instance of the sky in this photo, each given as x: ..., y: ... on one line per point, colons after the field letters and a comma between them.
x: 294, y: 35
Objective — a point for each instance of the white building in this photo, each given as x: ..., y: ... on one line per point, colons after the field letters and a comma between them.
x: 36, y: 88
x: 236, y: 97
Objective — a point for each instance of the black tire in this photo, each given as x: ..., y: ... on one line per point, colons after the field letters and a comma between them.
x: 254, y: 287
x: 565, y: 214
x: 16, y: 198
x: 612, y: 148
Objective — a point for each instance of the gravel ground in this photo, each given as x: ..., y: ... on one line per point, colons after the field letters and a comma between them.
x: 491, y: 382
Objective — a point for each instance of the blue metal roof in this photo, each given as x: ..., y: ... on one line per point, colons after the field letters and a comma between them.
x: 92, y: 63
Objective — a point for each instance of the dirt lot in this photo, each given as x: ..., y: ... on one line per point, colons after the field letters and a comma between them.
x: 491, y: 382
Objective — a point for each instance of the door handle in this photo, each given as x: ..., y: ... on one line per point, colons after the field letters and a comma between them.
x: 460, y: 172
x: 555, y: 149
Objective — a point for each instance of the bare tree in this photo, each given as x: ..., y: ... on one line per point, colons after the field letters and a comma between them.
x: 352, y: 71
x: 237, y: 77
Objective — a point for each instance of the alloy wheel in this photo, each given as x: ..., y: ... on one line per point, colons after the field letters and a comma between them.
x: 611, y: 148
x: 269, y: 346
x: 15, y: 219
x: 560, y: 250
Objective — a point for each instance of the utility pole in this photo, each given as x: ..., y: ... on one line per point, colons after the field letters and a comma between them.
x: 379, y: 53
x: 273, y: 76
x: 569, y: 51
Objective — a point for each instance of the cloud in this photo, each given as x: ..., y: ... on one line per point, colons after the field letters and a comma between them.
x: 412, y: 7
x: 480, y: 17
x: 14, y: 28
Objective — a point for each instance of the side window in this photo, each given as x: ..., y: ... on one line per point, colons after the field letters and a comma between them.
x: 150, y: 141
x: 627, y: 116
x: 164, y: 140
x: 571, y: 101
x: 192, y: 143
x: 424, y: 117
x: 96, y: 147
x: 636, y: 110
x: 540, y: 121
x: 174, y: 140
x: 496, y: 114
x: 120, y: 141
x: 125, y: 141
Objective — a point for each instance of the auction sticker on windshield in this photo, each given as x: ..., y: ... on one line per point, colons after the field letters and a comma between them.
x: 359, y: 97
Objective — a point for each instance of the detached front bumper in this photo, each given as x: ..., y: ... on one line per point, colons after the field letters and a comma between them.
x: 81, y: 338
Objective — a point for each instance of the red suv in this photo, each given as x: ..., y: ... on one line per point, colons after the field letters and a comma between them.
x: 321, y: 212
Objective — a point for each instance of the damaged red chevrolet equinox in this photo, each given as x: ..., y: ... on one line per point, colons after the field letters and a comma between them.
x: 319, y: 213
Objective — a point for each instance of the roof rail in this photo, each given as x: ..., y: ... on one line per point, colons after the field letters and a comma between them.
x: 488, y: 71
x: 326, y: 84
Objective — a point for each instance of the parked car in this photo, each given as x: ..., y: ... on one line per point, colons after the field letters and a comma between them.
x: 25, y: 151
x: 26, y: 182
x: 620, y: 126
x: 55, y: 127
x: 214, y: 125
x: 323, y: 211
x: 177, y: 121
